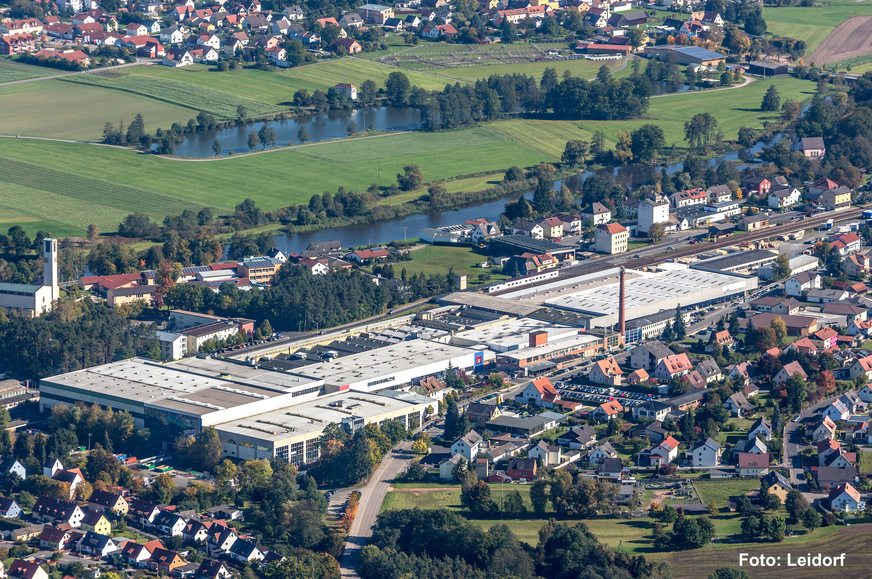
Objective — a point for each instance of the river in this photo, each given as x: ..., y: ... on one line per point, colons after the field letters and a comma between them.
x: 330, y: 125
x: 386, y: 231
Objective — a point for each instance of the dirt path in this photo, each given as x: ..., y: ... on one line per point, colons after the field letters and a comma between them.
x: 745, y: 82
x: 851, y: 39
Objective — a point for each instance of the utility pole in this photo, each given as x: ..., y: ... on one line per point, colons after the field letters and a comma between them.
x: 405, y: 227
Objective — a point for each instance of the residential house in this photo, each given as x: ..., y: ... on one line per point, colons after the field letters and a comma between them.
x: 651, y: 212
x: 836, y: 199
x: 467, y: 445
x: 753, y: 465
x: 21, y: 569
x: 539, y: 392
x: 813, y: 147
x: 9, y: 509
x: 803, y: 346
x: 706, y: 453
x: 824, y: 339
x: 552, y: 228
x: 225, y: 512
x: 598, y: 213
x: 611, y: 238
x: 213, y: 569
x: 740, y: 373
x: 761, y: 428
x: 778, y: 485
x: 799, y: 284
x: 221, y: 537
x: 578, y: 437
x: 522, y: 469
x: 95, y: 522
x: 788, y: 371
x: 861, y: 367
x: 167, y: 561
x: 606, y: 372
x: 143, y: 512
x: 138, y: 554
x: 12, y: 466
x: 171, y: 35
x: 178, y: 57
x: 663, y: 453
x: 170, y: 523
x: 722, y: 338
x: 48, y: 509
x: 832, y: 476
x: 689, y: 198
x: 757, y: 185
x: 54, y: 538
x: 611, y: 468
x: 651, y: 410
x: 845, y: 498
x: 653, y: 431
x: 97, y: 544
x: 196, y: 531
x: 846, y: 243
x: 672, y: 366
x: 821, y: 430
x: 549, y: 454
x: 719, y: 194
x: 836, y: 411
x: 480, y: 412
x: 856, y: 265
x: 349, y: 45
x: 648, y: 356
x: 776, y: 305
x: 244, y: 551
x: 608, y: 410
x: 639, y: 376
x: 785, y: 197
x: 865, y: 394
x: 738, y: 405
x: 601, y: 453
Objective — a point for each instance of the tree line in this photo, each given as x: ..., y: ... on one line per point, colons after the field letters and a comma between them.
x: 439, y: 543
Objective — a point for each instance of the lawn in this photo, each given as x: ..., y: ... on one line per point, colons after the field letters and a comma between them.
x: 127, y: 181
x: 437, y: 259
x: 31, y: 108
x: 865, y: 466
x: 7, y: 64
x: 719, y: 491
x: 581, y: 68
x: 733, y: 108
x: 548, y: 137
x: 217, y: 102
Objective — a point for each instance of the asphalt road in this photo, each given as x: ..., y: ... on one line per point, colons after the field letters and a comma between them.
x: 792, y: 445
x: 372, y: 495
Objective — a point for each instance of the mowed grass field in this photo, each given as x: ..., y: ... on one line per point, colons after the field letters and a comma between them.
x: 7, y: 64
x: 35, y: 109
x: 438, y: 259
x: 101, y: 185
x: 813, y: 24
x: 733, y: 108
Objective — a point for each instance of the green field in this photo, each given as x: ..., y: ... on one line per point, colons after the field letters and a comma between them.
x: 439, y: 259
x: 274, y: 179
x: 733, y: 108
x: 29, y: 70
x: 32, y: 109
x: 215, y: 101
x: 719, y: 491
x: 813, y: 24
x: 10, y: 75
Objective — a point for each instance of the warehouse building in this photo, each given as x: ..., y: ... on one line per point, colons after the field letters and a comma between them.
x: 740, y: 262
x: 648, y: 293
x: 258, y: 413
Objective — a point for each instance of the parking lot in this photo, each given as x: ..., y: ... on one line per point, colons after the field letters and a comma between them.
x: 602, y: 394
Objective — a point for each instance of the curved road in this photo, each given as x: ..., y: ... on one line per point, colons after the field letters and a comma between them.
x: 372, y: 495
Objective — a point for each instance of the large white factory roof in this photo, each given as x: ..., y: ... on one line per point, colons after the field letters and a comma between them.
x: 382, y: 362
x: 311, y: 417
x: 513, y: 334
x: 645, y: 290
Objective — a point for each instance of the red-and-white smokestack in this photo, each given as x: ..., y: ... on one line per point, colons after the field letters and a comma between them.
x: 621, y: 313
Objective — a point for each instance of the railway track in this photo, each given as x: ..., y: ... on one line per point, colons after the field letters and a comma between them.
x: 774, y: 231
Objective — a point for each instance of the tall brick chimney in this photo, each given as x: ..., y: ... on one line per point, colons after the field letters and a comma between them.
x: 622, y: 319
